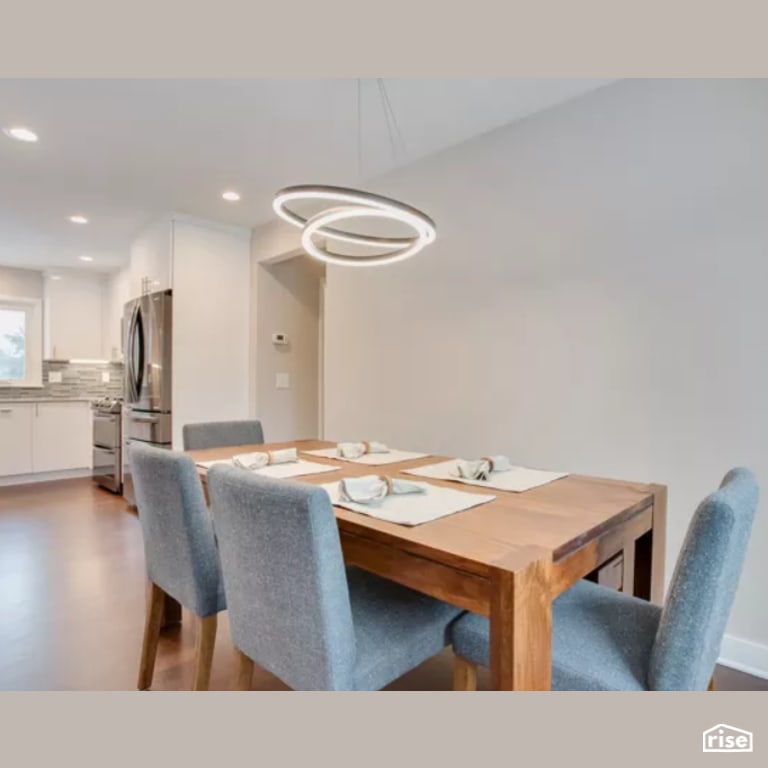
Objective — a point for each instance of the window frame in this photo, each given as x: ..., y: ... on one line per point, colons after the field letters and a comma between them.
x: 33, y: 338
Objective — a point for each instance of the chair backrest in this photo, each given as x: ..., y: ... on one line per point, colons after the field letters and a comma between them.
x: 180, y: 548
x: 284, y: 574
x: 703, y: 585
x: 217, y: 434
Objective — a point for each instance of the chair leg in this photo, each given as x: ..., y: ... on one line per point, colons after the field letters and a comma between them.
x: 464, y: 675
x: 243, y: 673
x: 152, y: 622
x: 171, y: 612
x: 711, y: 686
x: 204, y: 643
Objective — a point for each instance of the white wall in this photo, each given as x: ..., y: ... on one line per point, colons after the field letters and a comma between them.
x: 21, y: 283
x: 595, y: 302
x: 288, y: 301
x: 211, y: 334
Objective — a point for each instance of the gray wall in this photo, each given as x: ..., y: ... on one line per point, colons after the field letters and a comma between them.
x: 594, y: 303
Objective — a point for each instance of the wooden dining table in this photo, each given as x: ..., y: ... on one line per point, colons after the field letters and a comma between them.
x: 507, y: 559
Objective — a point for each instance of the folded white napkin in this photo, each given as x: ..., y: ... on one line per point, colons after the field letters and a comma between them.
x: 356, y: 450
x: 262, y: 459
x: 480, y: 469
x: 373, y: 489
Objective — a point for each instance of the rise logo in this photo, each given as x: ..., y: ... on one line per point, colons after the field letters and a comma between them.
x: 726, y: 738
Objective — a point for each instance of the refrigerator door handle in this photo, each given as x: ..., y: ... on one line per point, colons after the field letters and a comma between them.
x: 129, y: 357
x: 139, y: 343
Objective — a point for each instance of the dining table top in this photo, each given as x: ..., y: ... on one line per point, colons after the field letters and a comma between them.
x: 515, y: 527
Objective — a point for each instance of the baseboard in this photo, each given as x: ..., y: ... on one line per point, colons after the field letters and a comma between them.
x: 43, y: 477
x: 745, y: 656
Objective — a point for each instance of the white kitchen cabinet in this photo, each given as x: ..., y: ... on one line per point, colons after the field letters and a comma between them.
x: 16, y: 438
x: 61, y: 436
x: 117, y: 292
x: 151, y: 259
x: 45, y: 437
x: 73, y: 316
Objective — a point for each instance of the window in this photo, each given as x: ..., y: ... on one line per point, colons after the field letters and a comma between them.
x: 21, y: 342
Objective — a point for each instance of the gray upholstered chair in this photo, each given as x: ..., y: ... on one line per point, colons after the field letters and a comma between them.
x: 217, y: 434
x: 181, y: 555
x: 606, y: 640
x: 293, y: 607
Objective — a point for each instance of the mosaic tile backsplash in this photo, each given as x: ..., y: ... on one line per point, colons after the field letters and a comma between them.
x: 78, y: 380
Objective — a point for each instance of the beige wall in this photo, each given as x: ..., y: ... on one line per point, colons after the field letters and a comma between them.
x: 274, y: 240
x: 595, y: 303
x: 288, y: 301
x: 21, y: 283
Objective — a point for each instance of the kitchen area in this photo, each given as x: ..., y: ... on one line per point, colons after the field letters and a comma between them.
x: 69, y: 352
x: 86, y: 358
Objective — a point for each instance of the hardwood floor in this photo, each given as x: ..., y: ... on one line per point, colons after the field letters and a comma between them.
x: 72, y: 601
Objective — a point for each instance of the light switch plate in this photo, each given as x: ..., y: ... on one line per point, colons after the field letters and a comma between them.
x: 54, y: 377
x: 105, y: 377
x: 283, y: 381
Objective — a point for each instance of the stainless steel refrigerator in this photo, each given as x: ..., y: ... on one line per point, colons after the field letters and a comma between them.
x: 147, y: 352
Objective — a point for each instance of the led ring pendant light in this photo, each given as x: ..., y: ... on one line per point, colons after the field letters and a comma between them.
x: 355, y: 204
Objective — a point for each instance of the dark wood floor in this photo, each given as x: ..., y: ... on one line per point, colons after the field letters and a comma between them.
x: 72, y: 602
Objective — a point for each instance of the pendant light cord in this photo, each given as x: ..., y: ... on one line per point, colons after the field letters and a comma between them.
x: 393, y: 128
x: 360, y: 128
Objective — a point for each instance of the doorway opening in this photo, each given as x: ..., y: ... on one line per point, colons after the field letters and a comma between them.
x: 290, y: 346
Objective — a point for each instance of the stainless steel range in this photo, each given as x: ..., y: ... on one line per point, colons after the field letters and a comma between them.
x: 108, y: 443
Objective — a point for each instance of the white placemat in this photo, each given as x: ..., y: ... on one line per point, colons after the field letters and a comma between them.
x: 517, y: 479
x: 371, y: 459
x: 414, y: 508
x: 289, y: 469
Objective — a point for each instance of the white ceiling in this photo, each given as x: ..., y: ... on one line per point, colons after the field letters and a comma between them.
x: 124, y: 151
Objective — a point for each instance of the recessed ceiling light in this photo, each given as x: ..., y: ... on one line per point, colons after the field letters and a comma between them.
x: 20, y: 134
x: 231, y: 196
x: 55, y: 277
x: 86, y: 258
x: 78, y: 219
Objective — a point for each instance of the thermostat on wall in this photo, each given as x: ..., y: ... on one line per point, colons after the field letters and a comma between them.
x: 279, y: 338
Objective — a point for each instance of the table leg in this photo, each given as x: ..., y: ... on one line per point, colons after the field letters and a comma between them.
x: 628, y: 568
x: 650, y: 552
x: 521, y: 626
